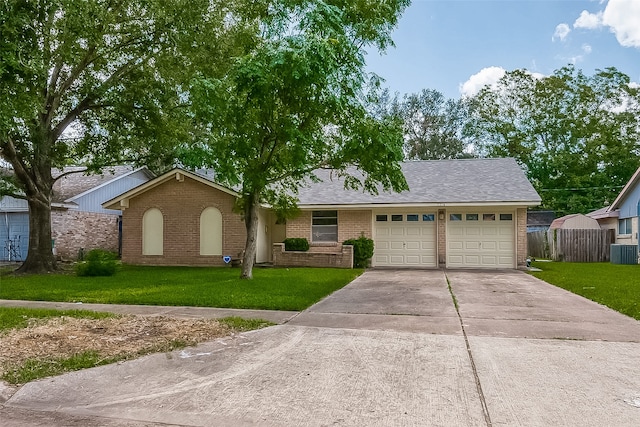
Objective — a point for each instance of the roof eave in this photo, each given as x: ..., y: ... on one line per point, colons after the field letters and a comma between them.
x: 121, y: 202
x: 346, y: 206
x: 623, y: 194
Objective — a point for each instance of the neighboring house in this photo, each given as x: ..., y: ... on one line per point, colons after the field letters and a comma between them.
x: 607, y: 220
x: 78, y: 221
x: 624, y: 212
x: 575, y: 222
x: 457, y: 213
x: 539, y: 220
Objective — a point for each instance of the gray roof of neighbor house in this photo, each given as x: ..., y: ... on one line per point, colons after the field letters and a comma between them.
x: 442, y: 182
x: 76, y: 183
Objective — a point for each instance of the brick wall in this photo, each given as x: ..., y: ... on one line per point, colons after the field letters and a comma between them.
x: 351, y: 225
x: 521, y: 238
x: 442, y: 238
x: 341, y: 259
x: 181, y: 204
x: 74, y: 230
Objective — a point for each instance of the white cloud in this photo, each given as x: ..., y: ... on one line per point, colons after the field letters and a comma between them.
x: 486, y: 76
x: 586, y: 48
x: 587, y: 20
x: 561, y: 33
x: 623, y: 18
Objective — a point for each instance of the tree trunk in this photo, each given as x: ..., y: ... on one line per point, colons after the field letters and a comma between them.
x: 251, y: 245
x: 40, y: 258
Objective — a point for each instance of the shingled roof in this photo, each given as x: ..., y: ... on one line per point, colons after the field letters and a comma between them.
x: 76, y: 183
x: 441, y: 182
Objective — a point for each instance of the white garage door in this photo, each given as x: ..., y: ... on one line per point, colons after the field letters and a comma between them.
x: 404, y: 240
x: 484, y: 240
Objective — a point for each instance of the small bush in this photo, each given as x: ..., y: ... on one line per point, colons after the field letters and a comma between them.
x: 98, y: 262
x: 296, y: 244
x: 362, y: 251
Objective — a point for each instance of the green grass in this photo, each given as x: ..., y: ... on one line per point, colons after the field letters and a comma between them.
x: 271, y: 288
x: 616, y: 286
x: 16, y: 318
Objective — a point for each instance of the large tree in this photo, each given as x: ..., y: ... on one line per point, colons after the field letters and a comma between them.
x: 578, y: 136
x: 95, y: 82
x: 297, y: 100
x: 433, y: 126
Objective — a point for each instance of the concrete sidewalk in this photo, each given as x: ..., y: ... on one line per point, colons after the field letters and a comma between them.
x: 273, y: 316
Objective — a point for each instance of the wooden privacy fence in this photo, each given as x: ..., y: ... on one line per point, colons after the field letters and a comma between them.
x: 571, y: 245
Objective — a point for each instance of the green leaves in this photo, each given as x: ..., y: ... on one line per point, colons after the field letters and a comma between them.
x: 576, y: 135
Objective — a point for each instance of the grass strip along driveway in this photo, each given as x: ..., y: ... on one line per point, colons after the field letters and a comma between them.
x: 38, y: 343
x: 614, y: 285
x: 291, y: 289
x: 41, y: 343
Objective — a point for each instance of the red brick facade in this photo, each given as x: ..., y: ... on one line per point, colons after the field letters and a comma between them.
x: 181, y: 203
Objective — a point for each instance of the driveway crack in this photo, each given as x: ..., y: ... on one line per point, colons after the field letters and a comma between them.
x: 483, y: 402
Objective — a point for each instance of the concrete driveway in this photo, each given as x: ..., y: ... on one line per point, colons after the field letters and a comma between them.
x: 390, y: 349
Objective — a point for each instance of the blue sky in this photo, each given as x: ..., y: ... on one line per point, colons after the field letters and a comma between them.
x: 456, y: 46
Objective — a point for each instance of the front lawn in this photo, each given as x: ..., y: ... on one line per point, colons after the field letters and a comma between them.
x: 271, y: 288
x: 616, y: 286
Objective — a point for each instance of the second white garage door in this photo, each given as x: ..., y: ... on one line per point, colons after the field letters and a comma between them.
x: 404, y: 240
x: 484, y: 240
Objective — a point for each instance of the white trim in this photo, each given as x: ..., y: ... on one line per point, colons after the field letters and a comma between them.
x: 487, y: 205
x: 172, y: 174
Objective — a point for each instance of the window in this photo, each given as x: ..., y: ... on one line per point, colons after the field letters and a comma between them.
x: 472, y: 217
x: 624, y: 226
x: 396, y: 218
x: 412, y: 218
x: 455, y: 217
x: 488, y: 217
x: 506, y: 217
x: 152, y: 232
x: 381, y: 218
x: 324, y: 226
x: 428, y: 217
x: 211, y: 232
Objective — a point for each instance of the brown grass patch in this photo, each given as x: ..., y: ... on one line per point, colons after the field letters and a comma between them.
x: 121, y: 337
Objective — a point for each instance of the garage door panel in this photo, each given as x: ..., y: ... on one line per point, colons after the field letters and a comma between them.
x: 397, y: 259
x: 413, y: 231
x: 488, y: 245
x: 490, y: 231
x: 472, y: 243
x: 505, y: 246
x: 382, y: 231
x: 413, y: 245
x: 396, y: 245
x: 404, y: 243
x: 472, y: 231
x: 455, y: 245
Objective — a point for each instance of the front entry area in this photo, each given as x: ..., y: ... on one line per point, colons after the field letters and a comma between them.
x: 405, y: 239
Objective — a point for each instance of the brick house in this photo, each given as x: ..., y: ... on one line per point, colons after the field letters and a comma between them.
x: 78, y: 221
x: 468, y: 213
x: 623, y: 215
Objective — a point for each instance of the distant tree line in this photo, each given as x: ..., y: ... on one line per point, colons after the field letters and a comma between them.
x: 576, y: 136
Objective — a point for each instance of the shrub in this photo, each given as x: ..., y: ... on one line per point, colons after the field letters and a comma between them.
x: 296, y: 244
x: 362, y: 251
x: 98, y: 262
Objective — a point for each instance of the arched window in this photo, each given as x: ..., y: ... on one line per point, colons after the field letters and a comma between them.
x: 152, y: 232
x: 211, y: 232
